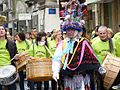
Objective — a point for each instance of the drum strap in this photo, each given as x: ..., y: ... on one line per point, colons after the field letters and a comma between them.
x: 27, y: 44
x: 111, y: 45
x: 48, y: 51
x: 33, y: 48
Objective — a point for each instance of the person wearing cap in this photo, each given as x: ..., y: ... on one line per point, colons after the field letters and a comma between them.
x: 73, y: 57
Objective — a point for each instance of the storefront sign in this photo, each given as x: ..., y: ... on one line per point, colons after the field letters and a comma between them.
x: 24, y: 16
x: 52, y: 10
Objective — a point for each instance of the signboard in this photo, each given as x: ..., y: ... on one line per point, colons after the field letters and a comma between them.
x: 24, y: 16
x: 52, y: 10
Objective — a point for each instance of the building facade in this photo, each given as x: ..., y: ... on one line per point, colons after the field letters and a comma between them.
x: 23, y: 15
x: 104, y: 12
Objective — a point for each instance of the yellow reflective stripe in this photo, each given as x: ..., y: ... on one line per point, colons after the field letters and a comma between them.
x: 63, y: 46
x: 75, y: 51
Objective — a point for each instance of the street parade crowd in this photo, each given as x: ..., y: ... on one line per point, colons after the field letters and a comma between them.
x: 69, y: 58
x: 76, y: 60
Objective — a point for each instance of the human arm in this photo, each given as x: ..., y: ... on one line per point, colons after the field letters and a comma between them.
x: 56, y: 62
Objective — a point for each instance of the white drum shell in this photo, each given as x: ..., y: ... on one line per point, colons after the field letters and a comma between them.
x: 8, y: 75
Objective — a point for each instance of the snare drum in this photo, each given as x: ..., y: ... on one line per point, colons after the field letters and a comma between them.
x: 22, y: 61
x: 112, y: 66
x: 39, y: 69
x: 8, y: 75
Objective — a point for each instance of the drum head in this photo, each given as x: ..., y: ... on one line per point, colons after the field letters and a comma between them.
x: 7, y: 71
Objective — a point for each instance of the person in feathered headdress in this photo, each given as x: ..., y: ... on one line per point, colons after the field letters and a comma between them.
x: 74, y: 56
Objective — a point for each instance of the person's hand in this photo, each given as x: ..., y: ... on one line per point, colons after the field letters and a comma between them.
x: 16, y: 56
x: 56, y: 76
x: 102, y: 70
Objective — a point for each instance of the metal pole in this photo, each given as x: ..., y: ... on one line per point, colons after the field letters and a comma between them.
x: 13, y: 15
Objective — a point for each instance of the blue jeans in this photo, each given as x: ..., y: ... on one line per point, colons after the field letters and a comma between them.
x: 10, y: 87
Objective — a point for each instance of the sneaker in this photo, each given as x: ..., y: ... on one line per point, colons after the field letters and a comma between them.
x: 117, y: 87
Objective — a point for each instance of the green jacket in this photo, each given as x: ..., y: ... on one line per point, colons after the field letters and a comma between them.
x: 38, y: 51
x: 116, y: 39
x: 52, y: 46
x: 101, y: 48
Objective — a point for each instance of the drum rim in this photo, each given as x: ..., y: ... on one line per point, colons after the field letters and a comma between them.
x: 9, y: 67
x: 11, y: 82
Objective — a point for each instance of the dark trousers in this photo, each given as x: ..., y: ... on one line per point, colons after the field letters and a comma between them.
x: 0, y: 87
x: 10, y: 87
x: 21, y: 82
x: 46, y: 85
x: 31, y: 85
x: 117, y: 81
x: 54, y: 85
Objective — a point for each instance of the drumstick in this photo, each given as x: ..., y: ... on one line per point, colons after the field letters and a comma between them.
x: 9, y: 61
x: 49, y: 51
x: 19, y: 55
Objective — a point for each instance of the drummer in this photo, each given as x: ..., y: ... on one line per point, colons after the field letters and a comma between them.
x: 22, y: 45
x: 38, y: 50
x: 7, y: 51
x: 116, y: 38
x: 101, y: 45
